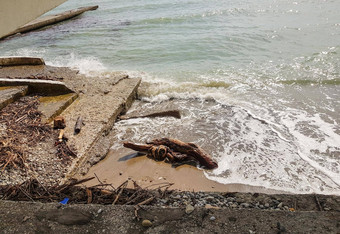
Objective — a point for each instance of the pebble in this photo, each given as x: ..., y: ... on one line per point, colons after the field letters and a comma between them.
x: 280, y: 205
x: 210, y: 198
x: 245, y: 205
x: 100, y: 211
x: 146, y: 223
x: 233, y: 206
x: 266, y: 205
x: 212, y: 218
x: 189, y: 209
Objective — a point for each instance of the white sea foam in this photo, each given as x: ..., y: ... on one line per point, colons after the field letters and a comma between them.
x: 85, y: 65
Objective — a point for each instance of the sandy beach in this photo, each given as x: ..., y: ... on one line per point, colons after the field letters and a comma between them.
x: 122, y: 165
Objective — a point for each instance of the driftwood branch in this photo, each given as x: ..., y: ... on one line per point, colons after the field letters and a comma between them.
x: 189, y: 149
x: 168, y: 113
x: 78, y: 125
x: 174, y: 151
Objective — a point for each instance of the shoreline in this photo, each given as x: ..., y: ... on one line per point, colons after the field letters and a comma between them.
x: 117, y: 167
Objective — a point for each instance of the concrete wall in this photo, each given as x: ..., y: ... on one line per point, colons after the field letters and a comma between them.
x: 16, y: 13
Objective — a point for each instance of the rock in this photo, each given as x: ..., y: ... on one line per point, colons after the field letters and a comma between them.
x: 210, y: 198
x: 245, y: 205
x: 266, y: 205
x: 280, y: 205
x: 212, y: 218
x: 189, y: 209
x: 230, y: 199
x: 146, y: 223
x: 208, y: 206
x: 233, y: 206
x: 100, y: 211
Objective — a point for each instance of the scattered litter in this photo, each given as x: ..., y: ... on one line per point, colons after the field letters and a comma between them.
x: 64, y: 202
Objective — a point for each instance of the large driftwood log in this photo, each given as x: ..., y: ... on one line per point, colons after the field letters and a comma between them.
x: 175, y: 151
x: 189, y: 149
x: 168, y: 113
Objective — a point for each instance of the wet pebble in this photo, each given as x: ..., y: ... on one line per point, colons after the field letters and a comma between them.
x: 146, y: 223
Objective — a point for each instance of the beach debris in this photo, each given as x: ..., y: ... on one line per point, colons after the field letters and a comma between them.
x: 100, y: 193
x: 23, y: 128
x: 64, y: 202
x: 146, y: 223
x: 169, y: 113
x: 63, y: 150
x: 78, y: 125
x: 61, y: 135
x: 173, y: 151
x: 59, y: 122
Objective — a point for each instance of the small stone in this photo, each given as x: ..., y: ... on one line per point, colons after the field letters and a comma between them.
x: 266, y: 205
x: 210, y: 198
x: 212, y: 218
x: 280, y: 205
x: 245, y: 205
x: 261, y: 206
x: 146, y: 223
x: 327, y: 209
x: 230, y: 199
x: 25, y: 218
x: 208, y: 206
x: 233, y: 206
x: 100, y: 211
x: 189, y: 209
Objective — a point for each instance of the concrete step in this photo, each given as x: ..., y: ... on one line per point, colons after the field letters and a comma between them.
x: 10, y: 94
x: 47, y: 87
x: 52, y: 106
x: 99, y: 113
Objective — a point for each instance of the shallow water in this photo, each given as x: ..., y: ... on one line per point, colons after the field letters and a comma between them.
x: 258, y: 83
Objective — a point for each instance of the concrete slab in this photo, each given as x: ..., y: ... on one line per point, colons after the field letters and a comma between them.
x: 11, y: 94
x: 99, y: 113
x: 18, y: 61
x: 51, y: 19
x: 52, y: 106
x: 47, y: 87
x: 101, y: 99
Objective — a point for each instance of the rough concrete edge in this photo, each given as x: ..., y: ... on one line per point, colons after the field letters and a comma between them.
x: 80, y: 165
x: 62, y: 108
x: 15, y: 97
x: 19, y: 61
x: 47, y: 87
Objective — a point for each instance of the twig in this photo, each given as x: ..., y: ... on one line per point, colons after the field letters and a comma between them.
x: 318, y: 202
x: 146, y: 201
x: 122, y: 186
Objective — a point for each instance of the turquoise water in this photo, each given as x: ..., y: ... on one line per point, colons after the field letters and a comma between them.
x: 258, y: 81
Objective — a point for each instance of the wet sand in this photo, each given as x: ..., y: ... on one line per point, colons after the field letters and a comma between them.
x: 119, y: 166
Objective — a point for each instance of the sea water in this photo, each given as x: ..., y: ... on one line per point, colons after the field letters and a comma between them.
x: 257, y: 81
